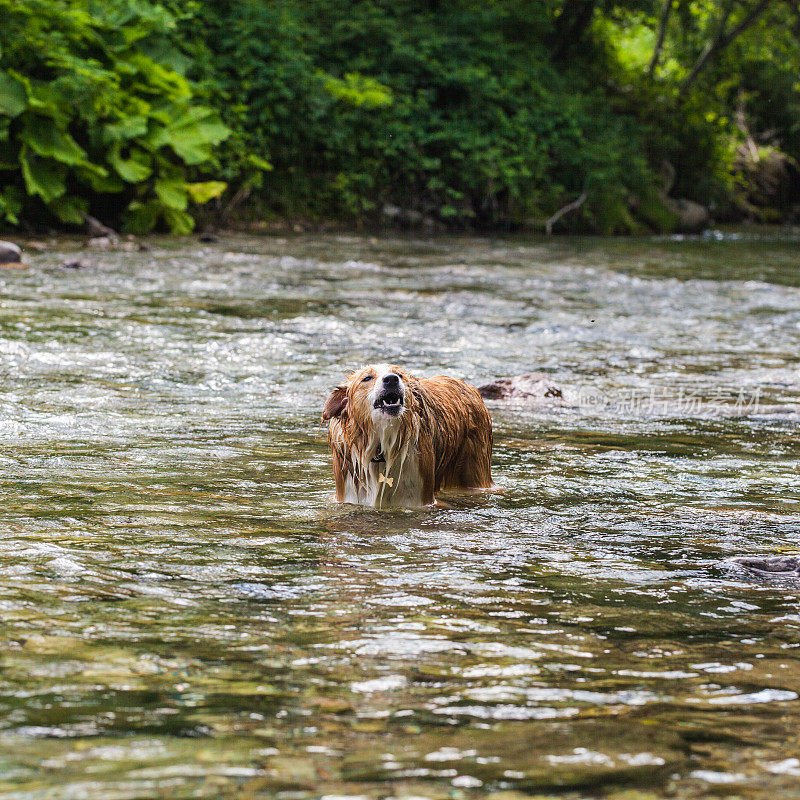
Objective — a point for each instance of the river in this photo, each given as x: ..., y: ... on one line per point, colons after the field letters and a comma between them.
x: 187, y: 614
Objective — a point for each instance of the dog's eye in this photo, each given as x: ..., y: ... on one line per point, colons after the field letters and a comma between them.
x: 366, y: 379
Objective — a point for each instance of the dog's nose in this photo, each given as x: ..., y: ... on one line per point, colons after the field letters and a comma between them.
x: 391, y: 381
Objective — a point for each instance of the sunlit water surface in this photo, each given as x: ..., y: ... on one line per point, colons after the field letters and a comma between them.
x: 186, y: 613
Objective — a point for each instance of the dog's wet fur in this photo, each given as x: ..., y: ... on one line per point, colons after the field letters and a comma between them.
x: 397, y: 440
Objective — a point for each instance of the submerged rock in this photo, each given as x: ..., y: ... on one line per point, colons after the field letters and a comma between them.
x: 74, y: 263
x: 408, y: 217
x: 773, y: 566
x: 9, y: 253
x: 533, y: 387
x: 102, y: 242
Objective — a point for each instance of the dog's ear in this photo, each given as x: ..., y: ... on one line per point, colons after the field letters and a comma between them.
x: 336, y: 404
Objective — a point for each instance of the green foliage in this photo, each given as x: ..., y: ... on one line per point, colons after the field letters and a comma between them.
x: 457, y: 113
x: 358, y: 90
x: 88, y: 110
x: 699, y: 112
x: 468, y: 113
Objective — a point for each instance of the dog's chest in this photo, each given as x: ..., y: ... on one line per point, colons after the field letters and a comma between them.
x: 406, y: 488
x: 394, y: 482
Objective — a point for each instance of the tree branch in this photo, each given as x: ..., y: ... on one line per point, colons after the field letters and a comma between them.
x: 573, y: 206
x: 242, y: 193
x: 754, y: 14
x: 721, y: 40
x: 662, y: 32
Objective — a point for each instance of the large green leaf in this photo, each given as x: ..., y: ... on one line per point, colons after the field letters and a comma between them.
x: 42, y: 176
x: 180, y: 223
x: 102, y: 183
x: 142, y: 217
x: 93, y: 102
x: 70, y: 209
x: 47, y: 100
x: 45, y: 139
x: 10, y: 205
x: 192, y: 134
x: 208, y: 190
x: 165, y: 81
x: 13, y: 100
x: 256, y: 161
x: 173, y: 193
x: 124, y: 129
x: 135, y: 168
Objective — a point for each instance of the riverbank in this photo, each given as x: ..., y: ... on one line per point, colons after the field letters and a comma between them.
x: 495, y: 116
x: 286, y: 230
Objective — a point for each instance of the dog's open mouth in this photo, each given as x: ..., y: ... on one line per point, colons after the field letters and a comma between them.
x: 389, y: 402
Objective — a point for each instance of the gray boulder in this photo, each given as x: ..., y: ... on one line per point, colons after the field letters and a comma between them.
x: 772, y: 566
x: 533, y: 388
x: 690, y: 217
x: 9, y: 253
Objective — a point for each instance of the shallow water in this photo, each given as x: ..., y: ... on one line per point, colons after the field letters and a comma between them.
x: 187, y: 614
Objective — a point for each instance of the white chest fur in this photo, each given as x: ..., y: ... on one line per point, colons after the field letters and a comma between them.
x: 395, y: 481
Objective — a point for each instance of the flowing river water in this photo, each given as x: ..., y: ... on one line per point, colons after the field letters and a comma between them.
x: 185, y: 613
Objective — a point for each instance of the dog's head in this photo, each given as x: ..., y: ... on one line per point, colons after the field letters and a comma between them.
x: 378, y: 395
x: 374, y: 424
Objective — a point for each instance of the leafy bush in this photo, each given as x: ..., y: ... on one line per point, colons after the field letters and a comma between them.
x: 95, y: 114
x: 470, y: 113
x: 458, y: 113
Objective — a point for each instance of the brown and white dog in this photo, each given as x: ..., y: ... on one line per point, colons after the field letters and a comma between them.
x: 397, y: 439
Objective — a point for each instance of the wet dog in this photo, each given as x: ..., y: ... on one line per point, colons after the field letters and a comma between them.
x: 397, y: 440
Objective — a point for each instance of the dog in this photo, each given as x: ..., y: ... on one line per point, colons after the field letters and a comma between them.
x: 397, y: 440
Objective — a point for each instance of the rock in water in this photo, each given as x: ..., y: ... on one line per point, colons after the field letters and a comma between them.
x: 533, y: 387
x: 102, y: 242
x: 73, y: 263
x: 9, y: 253
x: 773, y: 566
x: 690, y: 217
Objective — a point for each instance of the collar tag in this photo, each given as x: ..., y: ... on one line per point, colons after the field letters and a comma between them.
x: 383, y: 479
